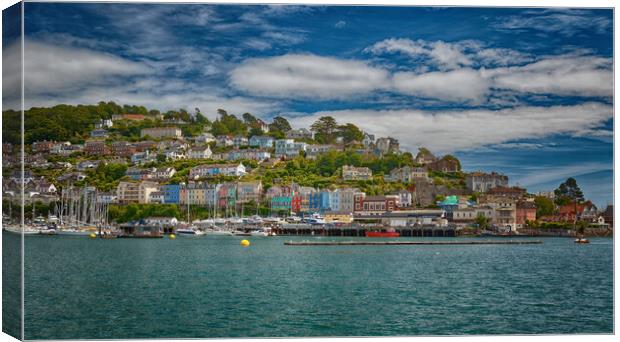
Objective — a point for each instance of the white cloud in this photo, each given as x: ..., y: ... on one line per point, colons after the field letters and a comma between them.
x: 449, y: 131
x: 53, y: 69
x: 307, y: 76
x: 455, y: 85
x: 580, y: 76
x: 449, y: 55
x: 567, y: 22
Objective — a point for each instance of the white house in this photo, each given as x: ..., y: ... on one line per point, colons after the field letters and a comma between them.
x: 200, y: 152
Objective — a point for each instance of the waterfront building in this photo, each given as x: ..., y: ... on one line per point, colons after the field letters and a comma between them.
x: 128, y: 192
x: 161, y: 132
x: 504, y: 211
x: 338, y: 217
x: 249, y: 192
x: 402, y: 218
x: 319, y: 201
x: 156, y: 197
x: 261, y: 141
x: 405, y: 199
x: 525, y: 212
x: 203, y: 171
x: 227, y: 196
x: 171, y: 193
x: 502, y: 191
x: 483, y: 182
x: 281, y: 203
x: 195, y: 193
x: 377, y: 205
x: 161, y: 221
x: 145, y: 189
x: 352, y: 173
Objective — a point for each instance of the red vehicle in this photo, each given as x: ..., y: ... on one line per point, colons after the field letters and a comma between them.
x: 389, y: 234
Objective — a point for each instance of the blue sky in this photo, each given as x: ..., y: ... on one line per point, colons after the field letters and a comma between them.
x: 527, y: 92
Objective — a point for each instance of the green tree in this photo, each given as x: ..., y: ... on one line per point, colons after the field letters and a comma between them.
x: 325, y: 129
x: 544, y: 206
x: 280, y: 124
x: 568, y: 192
x: 482, y: 222
x: 350, y: 133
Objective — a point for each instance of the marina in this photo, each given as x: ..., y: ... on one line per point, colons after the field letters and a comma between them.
x: 416, y: 243
x: 548, y: 291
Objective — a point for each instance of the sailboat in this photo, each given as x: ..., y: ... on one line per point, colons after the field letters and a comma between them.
x: 190, y: 230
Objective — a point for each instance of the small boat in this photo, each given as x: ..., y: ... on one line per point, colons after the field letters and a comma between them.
x: 189, y: 232
x: 258, y: 233
x: 582, y: 240
x: 387, y: 234
x: 241, y: 233
x: 218, y: 232
x: 74, y: 232
x: 47, y: 231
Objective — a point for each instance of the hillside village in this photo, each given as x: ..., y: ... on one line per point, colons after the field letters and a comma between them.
x: 146, y: 163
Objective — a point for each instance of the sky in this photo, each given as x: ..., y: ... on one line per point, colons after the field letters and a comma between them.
x: 523, y: 91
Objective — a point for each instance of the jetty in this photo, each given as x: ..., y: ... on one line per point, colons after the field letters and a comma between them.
x: 390, y: 243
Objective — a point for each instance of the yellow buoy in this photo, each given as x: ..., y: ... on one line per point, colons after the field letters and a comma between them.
x: 245, y: 243
x: 92, y: 235
x: 172, y: 236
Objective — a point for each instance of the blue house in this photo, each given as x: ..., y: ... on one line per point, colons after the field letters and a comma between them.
x: 171, y: 193
x: 319, y: 202
x: 261, y: 141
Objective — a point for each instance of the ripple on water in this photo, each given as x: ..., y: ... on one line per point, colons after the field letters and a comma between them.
x: 210, y: 287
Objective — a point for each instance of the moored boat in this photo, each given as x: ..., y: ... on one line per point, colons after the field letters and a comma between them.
x: 189, y: 232
x: 386, y: 234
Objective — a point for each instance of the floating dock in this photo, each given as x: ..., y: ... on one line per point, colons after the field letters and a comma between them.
x: 389, y: 243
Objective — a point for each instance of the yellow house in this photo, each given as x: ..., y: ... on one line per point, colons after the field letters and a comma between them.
x: 338, y: 217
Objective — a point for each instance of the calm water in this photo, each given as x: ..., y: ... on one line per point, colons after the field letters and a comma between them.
x: 211, y: 287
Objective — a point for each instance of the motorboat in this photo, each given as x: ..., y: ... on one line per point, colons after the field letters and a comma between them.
x: 258, y: 233
x: 189, y: 232
x: 219, y: 232
x: 582, y: 240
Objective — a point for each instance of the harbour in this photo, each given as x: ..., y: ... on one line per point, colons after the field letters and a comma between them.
x: 414, y: 243
x: 192, y: 287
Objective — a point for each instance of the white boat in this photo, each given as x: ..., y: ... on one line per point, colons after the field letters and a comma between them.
x: 273, y: 220
x: 258, y: 233
x: 74, y: 232
x: 17, y: 230
x: 189, y: 232
x: 219, y: 232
